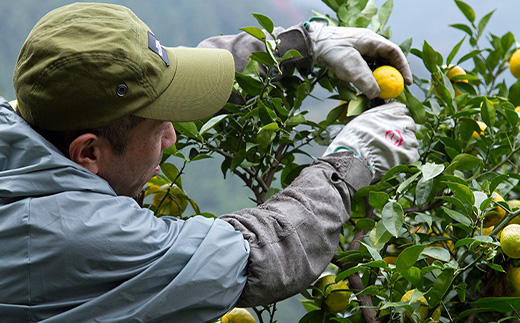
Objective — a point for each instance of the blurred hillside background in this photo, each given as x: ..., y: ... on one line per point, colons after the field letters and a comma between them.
x: 187, y: 22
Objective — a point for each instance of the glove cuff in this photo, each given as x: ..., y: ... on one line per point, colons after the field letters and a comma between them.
x: 307, y: 24
x: 344, y: 148
x: 351, y: 170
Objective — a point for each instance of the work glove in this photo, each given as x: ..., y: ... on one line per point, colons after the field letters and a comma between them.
x: 341, y: 50
x: 383, y: 137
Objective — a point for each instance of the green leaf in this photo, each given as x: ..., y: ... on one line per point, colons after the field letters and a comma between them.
x: 313, y: 316
x: 408, y: 257
x: 454, y: 52
x: 349, y: 272
x: 430, y: 170
x: 384, y: 12
x: 373, y: 252
x: 249, y: 84
x: 353, y: 256
x: 370, y: 290
x: 293, y: 53
x: 477, y: 239
x: 333, y: 4
x: 437, y: 253
x: 462, y: 192
x: 453, y: 200
x: 497, y: 181
x: 461, y: 291
x: 496, y: 267
x: 365, y: 16
x: 189, y: 129
x: 430, y: 57
x: 393, y: 217
x: 500, y: 304
x: 406, y: 46
x: 457, y: 216
x: 265, y: 22
x: 440, y: 286
x: 357, y: 106
x: 507, y: 40
x: 514, y: 93
x: 171, y: 172
x: 416, y: 108
x: 463, y: 27
x: 255, y: 32
x: 296, y: 120
x: 238, y: 159
x: 393, y: 171
x: 483, y: 22
x: 469, y: 55
x: 488, y: 113
x: 212, y: 123
x: 365, y: 224
x: 379, y: 236
x: 343, y: 14
x: 378, y: 200
x: 404, y: 185
x: 423, y: 191
x: 466, y: 10
x: 200, y: 157
x: 463, y: 162
x: 263, y: 58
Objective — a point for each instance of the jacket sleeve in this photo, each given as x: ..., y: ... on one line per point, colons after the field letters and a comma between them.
x: 294, y: 235
x: 243, y: 44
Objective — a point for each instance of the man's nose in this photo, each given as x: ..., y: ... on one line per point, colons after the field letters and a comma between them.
x: 169, y: 137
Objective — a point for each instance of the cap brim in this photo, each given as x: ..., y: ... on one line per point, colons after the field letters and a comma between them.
x: 200, y: 87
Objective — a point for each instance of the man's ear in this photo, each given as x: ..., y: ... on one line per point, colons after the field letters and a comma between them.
x: 86, y: 151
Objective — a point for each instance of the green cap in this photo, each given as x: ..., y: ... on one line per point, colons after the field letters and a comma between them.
x: 87, y: 65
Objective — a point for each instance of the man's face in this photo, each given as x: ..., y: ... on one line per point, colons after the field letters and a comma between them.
x: 129, y: 172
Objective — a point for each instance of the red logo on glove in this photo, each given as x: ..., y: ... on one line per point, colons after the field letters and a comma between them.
x: 394, y: 137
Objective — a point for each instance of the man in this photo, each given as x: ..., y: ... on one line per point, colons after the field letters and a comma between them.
x: 96, y: 94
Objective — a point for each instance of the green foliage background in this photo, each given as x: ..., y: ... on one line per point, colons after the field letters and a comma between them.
x: 441, y: 193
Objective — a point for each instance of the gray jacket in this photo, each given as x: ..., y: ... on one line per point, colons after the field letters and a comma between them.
x: 73, y: 251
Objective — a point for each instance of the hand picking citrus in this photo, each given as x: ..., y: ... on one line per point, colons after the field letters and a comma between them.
x: 510, y: 241
x: 390, y: 81
x: 238, y: 315
x: 336, y: 296
x: 423, y: 308
x: 514, y: 64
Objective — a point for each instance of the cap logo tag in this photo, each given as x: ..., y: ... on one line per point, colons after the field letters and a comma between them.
x: 155, y: 46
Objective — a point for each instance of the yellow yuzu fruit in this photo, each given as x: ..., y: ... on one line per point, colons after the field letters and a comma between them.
x: 238, y: 315
x: 174, y: 204
x: 454, y: 71
x: 514, y: 64
x: 496, y: 215
x: 513, y: 279
x: 336, y: 296
x: 487, y: 230
x: 423, y: 307
x: 510, y: 241
x: 482, y: 127
x: 514, y: 204
x: 390, y: 260
x: 390, y: 81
